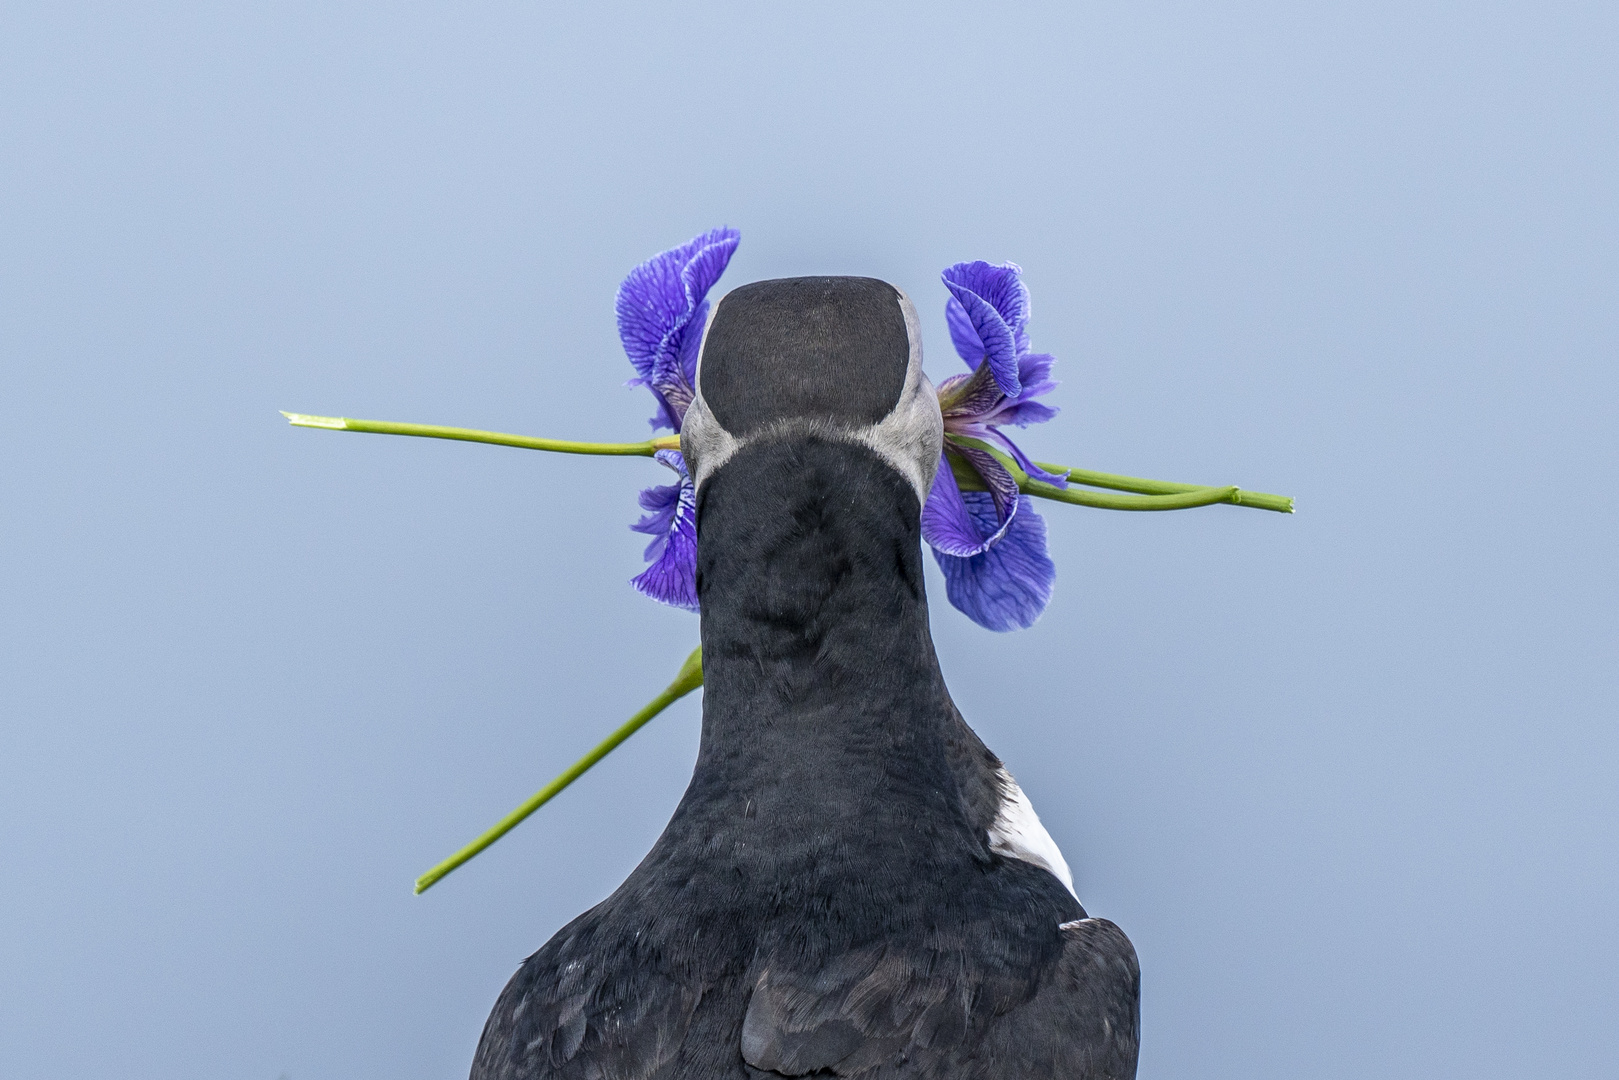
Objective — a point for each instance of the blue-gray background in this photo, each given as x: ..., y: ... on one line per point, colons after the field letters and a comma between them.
x: 1348, y: 778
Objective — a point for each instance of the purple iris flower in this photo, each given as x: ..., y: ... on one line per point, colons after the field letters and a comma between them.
x: 991, y: 544
x: 662, y: 309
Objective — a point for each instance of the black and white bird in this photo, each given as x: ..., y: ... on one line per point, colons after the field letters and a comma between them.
x: 853, y: 885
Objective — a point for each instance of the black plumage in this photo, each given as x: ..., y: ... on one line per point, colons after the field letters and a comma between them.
x: 825, y: 900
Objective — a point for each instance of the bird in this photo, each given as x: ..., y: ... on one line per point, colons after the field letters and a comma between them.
x: 853, y: 884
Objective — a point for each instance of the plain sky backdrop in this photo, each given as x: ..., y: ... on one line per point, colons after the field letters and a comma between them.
x: 1349, y: 779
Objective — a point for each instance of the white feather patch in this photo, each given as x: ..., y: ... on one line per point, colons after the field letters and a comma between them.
x: 1017, y: 834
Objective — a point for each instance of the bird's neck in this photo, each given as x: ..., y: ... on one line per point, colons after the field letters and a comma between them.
x: 818, y: 664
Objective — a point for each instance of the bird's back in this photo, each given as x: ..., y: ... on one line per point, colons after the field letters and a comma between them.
x: 926, y: 956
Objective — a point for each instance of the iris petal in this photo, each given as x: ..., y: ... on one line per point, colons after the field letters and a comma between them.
x: 660, y: 310
x: 1002, y: 485
x: 711, y: 253
x: 673, y: 384
x: 1024, y: 413
x: 661, y: 503
x: 969, y: 397
x: 1016, y: 453
x: 1000, y: 344
x: 1034, y: 372
x: 996, y: 305
x: 1000, y: 286
x: 650, y: 305
x: 671, y: 520
x: 946, y: 523
x: 969, y: 346
x: 1008, y: 586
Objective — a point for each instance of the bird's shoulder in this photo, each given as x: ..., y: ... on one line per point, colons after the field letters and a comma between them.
x: 1083, y: 1023
x: 885, y: 1012
x: 594, y: 1001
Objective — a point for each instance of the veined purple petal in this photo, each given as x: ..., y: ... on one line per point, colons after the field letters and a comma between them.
x: 673, y: 383
x: 709, y: 261
x: 969, y: 397
x: 1008, y: 586
x: 1024, y: 413
x: 671, y: 520
x: 651, y: 304
x: 1034, y: 369
x: 969, y: 346
x: 1002, y: 484
x: 659, y: 297
x: 691, y: 343
x: 1000, y: 286
x: 946, y: 523
x: 665, y: 417
x: 657, y: 306
x: 1000, y: 343
x: 1034, y: 372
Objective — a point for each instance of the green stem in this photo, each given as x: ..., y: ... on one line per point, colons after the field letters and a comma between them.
x: 1152, y: 494
x: 1146, y: 494
x: 497, y: 438
x: 1259, y: 500
x: 689, y: 679
x: 1079, y: 497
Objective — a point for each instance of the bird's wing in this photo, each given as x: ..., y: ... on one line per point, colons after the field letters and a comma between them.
x: 563, y: 1015
x: 883, y: 1012
x: 1084, y: 1023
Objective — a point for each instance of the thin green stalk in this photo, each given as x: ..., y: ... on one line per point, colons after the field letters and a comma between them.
x: 1185, y: 500
x: 1259, y: 500
x: 1146, y: 494
x: 689, y: 679
x: 526, y: 442
x: 1152, y: 494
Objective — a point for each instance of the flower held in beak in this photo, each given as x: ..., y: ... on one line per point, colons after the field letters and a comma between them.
x: 991, y: 544
x: 662, y: 309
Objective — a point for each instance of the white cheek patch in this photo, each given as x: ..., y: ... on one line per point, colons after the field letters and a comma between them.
x: 909, y: 438
x: 703, y: 442
x: 1017, y: 833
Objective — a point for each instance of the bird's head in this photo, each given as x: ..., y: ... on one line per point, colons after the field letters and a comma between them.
x: 812, y: 438
x: 834, y: 359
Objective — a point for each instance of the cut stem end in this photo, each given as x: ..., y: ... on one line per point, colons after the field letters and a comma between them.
x: 333, y: 423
